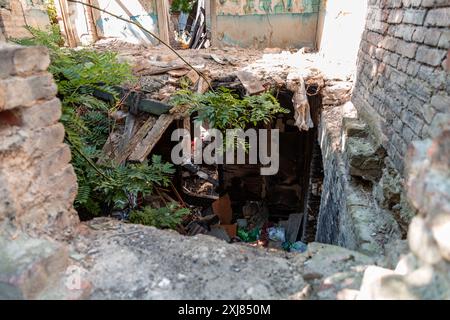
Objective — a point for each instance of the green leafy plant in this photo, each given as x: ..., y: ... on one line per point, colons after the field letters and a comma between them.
x: 79, y: 74
x: 52, y: 12
x: 130, y: 181
x: 50, y: 38
x: 225, y: 110
x: 182, y: 6
x: 166, y: 217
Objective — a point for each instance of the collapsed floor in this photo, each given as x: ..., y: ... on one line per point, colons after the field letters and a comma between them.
x: 198, y: 262
x: 161, y: 73
x: 111, y: 259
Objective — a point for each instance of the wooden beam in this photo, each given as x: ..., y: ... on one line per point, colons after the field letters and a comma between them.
x: 63, y: 16
x: 213, y: 22
x: 135, y: 140
x: 130, y: 124
x: 162, y: 8
x: 147, y: 144
x: 92, y: 27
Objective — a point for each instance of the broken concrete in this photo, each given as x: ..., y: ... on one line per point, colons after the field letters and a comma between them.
x: 203, y: 267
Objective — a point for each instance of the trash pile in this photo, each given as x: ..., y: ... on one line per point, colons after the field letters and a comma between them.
x: 251, y: 227
x: 191, y: 29
x: 142, y: 127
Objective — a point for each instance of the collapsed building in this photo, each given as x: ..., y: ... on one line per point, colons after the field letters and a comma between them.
x: 363, y: 177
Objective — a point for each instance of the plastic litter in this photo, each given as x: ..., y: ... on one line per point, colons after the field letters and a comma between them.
x: 298, y: 247
x: 249, y: 236
x: 277, y: 234
x: 242, y: 223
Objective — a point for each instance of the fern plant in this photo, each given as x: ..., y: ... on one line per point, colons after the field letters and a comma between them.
x: 78, y: 74
x: 225, y: 110
x: 182, y: 6
x: 166, y: 217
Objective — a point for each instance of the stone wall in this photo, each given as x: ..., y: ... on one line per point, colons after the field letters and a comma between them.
x: 16, y: 14
x: 37, y: 182
x: 352, y: 211
x: 424, y: 273
x: 403, y: 81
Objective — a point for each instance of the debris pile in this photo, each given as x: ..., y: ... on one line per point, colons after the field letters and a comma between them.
x: 146, y: 114
x: 249, y: 227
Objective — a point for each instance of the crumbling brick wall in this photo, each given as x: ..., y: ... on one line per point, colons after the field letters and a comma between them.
x: 16, y: 14
x: 403, y: 82
x: 37, y: 182
x: 424, y: 272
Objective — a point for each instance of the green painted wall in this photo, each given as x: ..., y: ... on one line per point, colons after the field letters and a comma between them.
x: 267, y: 23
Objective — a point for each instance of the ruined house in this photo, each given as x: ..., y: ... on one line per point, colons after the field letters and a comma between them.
x: 364, y: 152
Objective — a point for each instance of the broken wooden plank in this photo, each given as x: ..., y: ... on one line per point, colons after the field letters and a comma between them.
x: 146, y: 145
x: 109, y: 148
x: 135, y: 101
x: 156, y: 71
x: 178, y: 72
x: 293, y: 226
x: 250, y: 82
x: 222, y: 208
x: 135, y: 140
x: 128, y: 133
x: 153, y: 106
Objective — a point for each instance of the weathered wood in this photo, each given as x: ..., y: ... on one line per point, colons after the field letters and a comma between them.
x: 212, y: 14
x: 153, y: 106
x: 293, y: 228
x: 250, y: 82
x: 135, y: 140
x: 146, y: 145
x: 160, y: 70
x: 109, y: 148
x: 136, y: 101
x: 178, y: 72
x: 162, y: 7
x: 128, y: 133
x: 65, y: 23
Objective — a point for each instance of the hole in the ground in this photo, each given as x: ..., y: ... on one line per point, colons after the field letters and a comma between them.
x: 258, y: 201
x: 289, y: 199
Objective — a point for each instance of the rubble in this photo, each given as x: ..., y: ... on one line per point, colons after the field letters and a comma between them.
x: 202, y: 266
x: 363, y: 204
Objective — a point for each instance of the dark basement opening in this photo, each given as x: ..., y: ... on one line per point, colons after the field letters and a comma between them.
x: 265, y: 200
x: 289, y: 199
